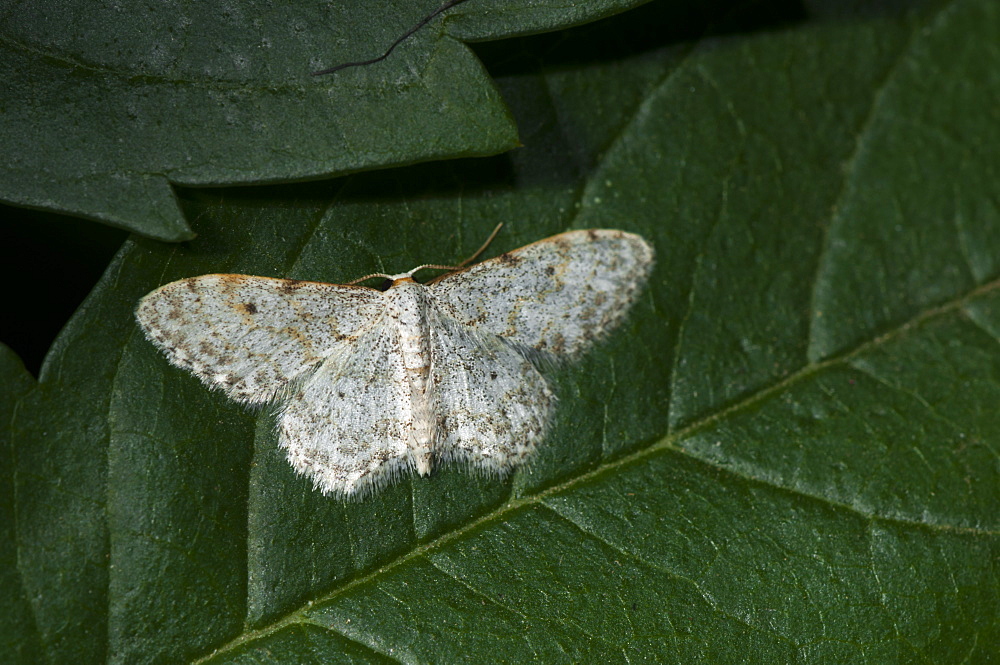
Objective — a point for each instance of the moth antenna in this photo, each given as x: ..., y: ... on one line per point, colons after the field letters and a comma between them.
x: 481, y: 249
x: 374, y: 274
x: 437, y: 266
x: 434, y: 266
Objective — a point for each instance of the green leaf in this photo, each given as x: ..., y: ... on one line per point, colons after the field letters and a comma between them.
x: 789, y: 453
x: 105, y: 108
x: 18, y: 638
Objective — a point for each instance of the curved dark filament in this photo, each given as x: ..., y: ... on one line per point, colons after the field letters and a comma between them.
x: 424, y: 21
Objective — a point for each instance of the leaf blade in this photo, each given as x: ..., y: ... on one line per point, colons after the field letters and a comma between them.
x: 775, y: 506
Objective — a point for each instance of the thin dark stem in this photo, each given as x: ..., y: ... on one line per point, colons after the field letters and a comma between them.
x: 424, y: 21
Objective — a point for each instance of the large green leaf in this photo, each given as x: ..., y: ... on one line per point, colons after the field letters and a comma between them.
x: 789, y: 453
x: 106, y: 105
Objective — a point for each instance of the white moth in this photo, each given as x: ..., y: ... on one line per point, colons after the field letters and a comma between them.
x: 374, y: 383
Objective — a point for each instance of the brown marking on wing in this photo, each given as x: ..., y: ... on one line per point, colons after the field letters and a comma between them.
x: 291, y: 285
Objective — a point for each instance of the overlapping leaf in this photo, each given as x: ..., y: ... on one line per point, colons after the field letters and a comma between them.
x: 106, y: 106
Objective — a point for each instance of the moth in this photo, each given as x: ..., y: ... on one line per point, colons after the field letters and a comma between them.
x: 372, y: 384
